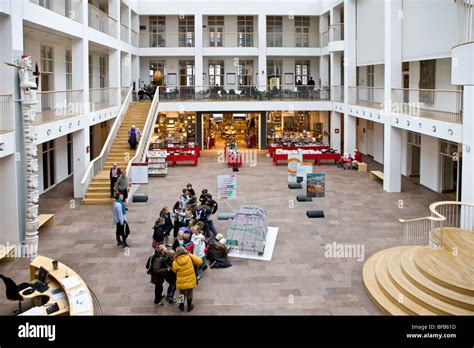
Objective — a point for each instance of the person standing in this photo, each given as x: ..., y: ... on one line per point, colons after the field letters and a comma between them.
x: 158, y: 273
x: 115, y: 173
x: 159, y: 234
x: 180, y: 214
x: 183, y: 266
x: 120, y: 220
x: 121, y: 186
x: 311, y: 86
x: 133, y: 137
x: 190, y: 189
x: 170, y: 277
x: 168, y: 226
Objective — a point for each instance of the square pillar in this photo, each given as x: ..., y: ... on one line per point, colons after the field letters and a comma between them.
x: 350, y: 66
x: 198, y: 61
x: 262, y: 52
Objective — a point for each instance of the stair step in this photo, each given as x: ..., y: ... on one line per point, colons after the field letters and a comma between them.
x: 97, y: 201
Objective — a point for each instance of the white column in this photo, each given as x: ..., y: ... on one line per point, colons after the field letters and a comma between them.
x: 393, y: 78
x: 335, y: 127
x: 126, y: 69
x: 115, y: 72
x: 324, y: 59
x: 114, y: 11
x: 430, y: 163
x: 198, y: 61
x: 467, y: 190
x: 262, y: 51
x: 350, y: 63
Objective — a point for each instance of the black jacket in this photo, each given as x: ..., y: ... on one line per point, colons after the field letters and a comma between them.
x: 168, y: 226
x: 159, y: 269
x: 159, y: 233
x: 170, y: 276
x: 220, y: 257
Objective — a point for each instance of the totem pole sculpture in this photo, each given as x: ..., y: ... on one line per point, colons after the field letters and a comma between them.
x: 28, y: 99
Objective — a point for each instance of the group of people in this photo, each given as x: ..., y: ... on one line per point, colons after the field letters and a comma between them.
x: 195, y: 243
x: 148, y: 91
x: 349, y: 161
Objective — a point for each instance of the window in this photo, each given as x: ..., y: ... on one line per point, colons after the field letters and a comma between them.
x: 186, y: 72
x: 302, y: 71
x: 46, y: 4
x: 186, y: 31
x: 157, y: 31
x: 302, y: 31
x: 370, y: 83
x: 245, y: 72
x: 48, y: 164
x: 245, y: 31
x: 68, y: 75
x: 47, y: 68
x: 414, y: 138
x: 91, y: 72
x: 274, y: 68
x: 70, y: 155
x: 216, y: 73
x: 102, y: 72
x: 216, y: 31
x: 158, y: 65
x: 274, y: 31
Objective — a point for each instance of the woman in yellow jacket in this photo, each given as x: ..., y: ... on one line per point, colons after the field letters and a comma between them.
x: 183, y: 266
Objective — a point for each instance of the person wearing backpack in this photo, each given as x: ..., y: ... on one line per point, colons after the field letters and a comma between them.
x: 183, y: 266
x: 157, y: 268
x: 159, y: 233
x: 213, y: 206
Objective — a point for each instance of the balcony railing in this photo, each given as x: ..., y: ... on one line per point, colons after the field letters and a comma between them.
x: 103, y: 98
x: 71, y: 9
x: 134, y: 38
x: 437, y: 104
x: 230, y: 39
x: 465, y: 20
x: 166, y: 39
x: 245, y: 93
x: 336, y: 32
x: 337, y: 94
x: 124, y: 33
x: 324, y: 38
x: 123, y: 93
x: 101, y: 21
x: 371, y: 97
x: 58, y: 105
x: 293, y: 40
x: 6, y: 115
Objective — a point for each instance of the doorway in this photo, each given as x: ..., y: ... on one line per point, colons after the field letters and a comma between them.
x: 449, y: 168
x: 414, y: 148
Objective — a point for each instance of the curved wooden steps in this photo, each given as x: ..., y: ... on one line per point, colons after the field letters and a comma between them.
x: 419, y: 280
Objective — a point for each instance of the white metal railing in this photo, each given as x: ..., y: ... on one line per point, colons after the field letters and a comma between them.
x: 56, y: 105
x: 101, y: 21
x: 324, y: 38
x: 337, y: 94
x: 96, y: 165
x: 148, y: 129
x: 71, y: 9
x: 134, y: 38
x: 296, y: 40
x: 166, y: 39
x: 465, y: 20
x: 444, y: 215
x: 102, y: 98
x: 6, y: 113
x: 230, y: 39
x: 438, y: 104
x: 336, y: 32
x: 124, y: 33
x: 372, y: 97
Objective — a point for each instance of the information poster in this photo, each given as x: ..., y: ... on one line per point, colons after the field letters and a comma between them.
x: 303, y: 170
x: 294, y: 160
x: 227, y: 187
x: 316, y: 185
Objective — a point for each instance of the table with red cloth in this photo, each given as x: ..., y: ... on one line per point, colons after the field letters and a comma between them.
x: 272, y: 149
x: 316, y: 157
x: 185, y: 149
x: 185, y: 157
x: 232, y: 160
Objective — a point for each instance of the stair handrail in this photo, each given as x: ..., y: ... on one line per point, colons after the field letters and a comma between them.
x: 444, y: 214
x: 140, y: 154
x: 96, y: 165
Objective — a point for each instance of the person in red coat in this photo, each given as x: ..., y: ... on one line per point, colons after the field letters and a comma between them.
x: 115, y: 173
x: 358, y: 156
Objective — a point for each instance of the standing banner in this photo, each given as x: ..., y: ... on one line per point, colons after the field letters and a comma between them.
x: 316, y: 185
x: 294, y: 160
x: 227, y: 187
x: 303, y: 170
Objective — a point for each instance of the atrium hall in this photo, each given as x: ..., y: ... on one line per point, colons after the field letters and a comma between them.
x: 362, y: 107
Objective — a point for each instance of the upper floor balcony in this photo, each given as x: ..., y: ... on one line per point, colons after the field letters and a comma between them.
x: 6, y: 113
x: 294, y: 40
x: 166, y: 39
x: 370, y: 97
x: 230, y: 39
x: 336, y: 32
x: 102, y: 22
x: 124, y: 33
x: 103, y: 98
x: 337, y: 94
x: 57, y: 105
x: 71, y: 9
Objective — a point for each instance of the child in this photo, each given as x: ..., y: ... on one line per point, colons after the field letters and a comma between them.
x: 170, y: 276
x: 198, y: 239
x: 190, y: 190
x: 188, y: 244
x: 179, y: 241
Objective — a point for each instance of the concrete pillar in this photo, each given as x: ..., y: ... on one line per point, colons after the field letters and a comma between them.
x: 430, y: 163
x: 115, y: 73
x: 262, y: 52
x: 335, y: 140
x: 350, y: 62
x: 198, y: 61
x: 467, y: 189
x: 393, y: 79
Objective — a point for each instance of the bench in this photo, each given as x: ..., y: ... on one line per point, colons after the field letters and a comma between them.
x: 361, y: 166
x: 375, y: 174
x: 7, y: 252
x: 46, y: 220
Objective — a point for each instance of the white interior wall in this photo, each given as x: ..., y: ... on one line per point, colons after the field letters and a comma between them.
x: 378, y: 142
x: 361, y: 141
x: 430, y: 163
x: 370, y: 32
x: 8, y: 211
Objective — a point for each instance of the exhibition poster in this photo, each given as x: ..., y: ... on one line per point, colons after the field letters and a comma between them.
x: 227, y: 187
x: 316, y: 185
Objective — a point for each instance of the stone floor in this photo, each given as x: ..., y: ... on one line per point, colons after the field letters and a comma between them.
x: 298, y: 280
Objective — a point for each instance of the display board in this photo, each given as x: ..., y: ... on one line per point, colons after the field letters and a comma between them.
x: 157, y: 162
x: 227, y: 187
x: 249, y: 229
x: 139, y: 173
x: 303, y: 170
x: 294, y: 160
x: 316, y: 185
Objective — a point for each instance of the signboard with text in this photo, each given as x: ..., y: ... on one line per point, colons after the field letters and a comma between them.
x: 227, y: 187
x: 294, y: 160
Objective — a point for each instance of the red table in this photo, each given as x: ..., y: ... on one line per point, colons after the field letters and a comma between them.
x: 272, y: 149
x: 233, y: 160
x: 316, y: 157
x: 186, y: 148
x: 183, y: 158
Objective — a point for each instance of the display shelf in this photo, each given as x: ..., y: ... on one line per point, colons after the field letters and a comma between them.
x: 157, y: 165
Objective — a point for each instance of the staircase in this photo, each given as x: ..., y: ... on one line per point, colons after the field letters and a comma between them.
x: 120, y: 153
x: 420, y: 280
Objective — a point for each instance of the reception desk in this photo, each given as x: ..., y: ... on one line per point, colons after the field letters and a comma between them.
x: 65, y: 287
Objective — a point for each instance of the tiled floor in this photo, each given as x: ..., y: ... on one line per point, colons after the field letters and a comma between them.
x: 298, y: 280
